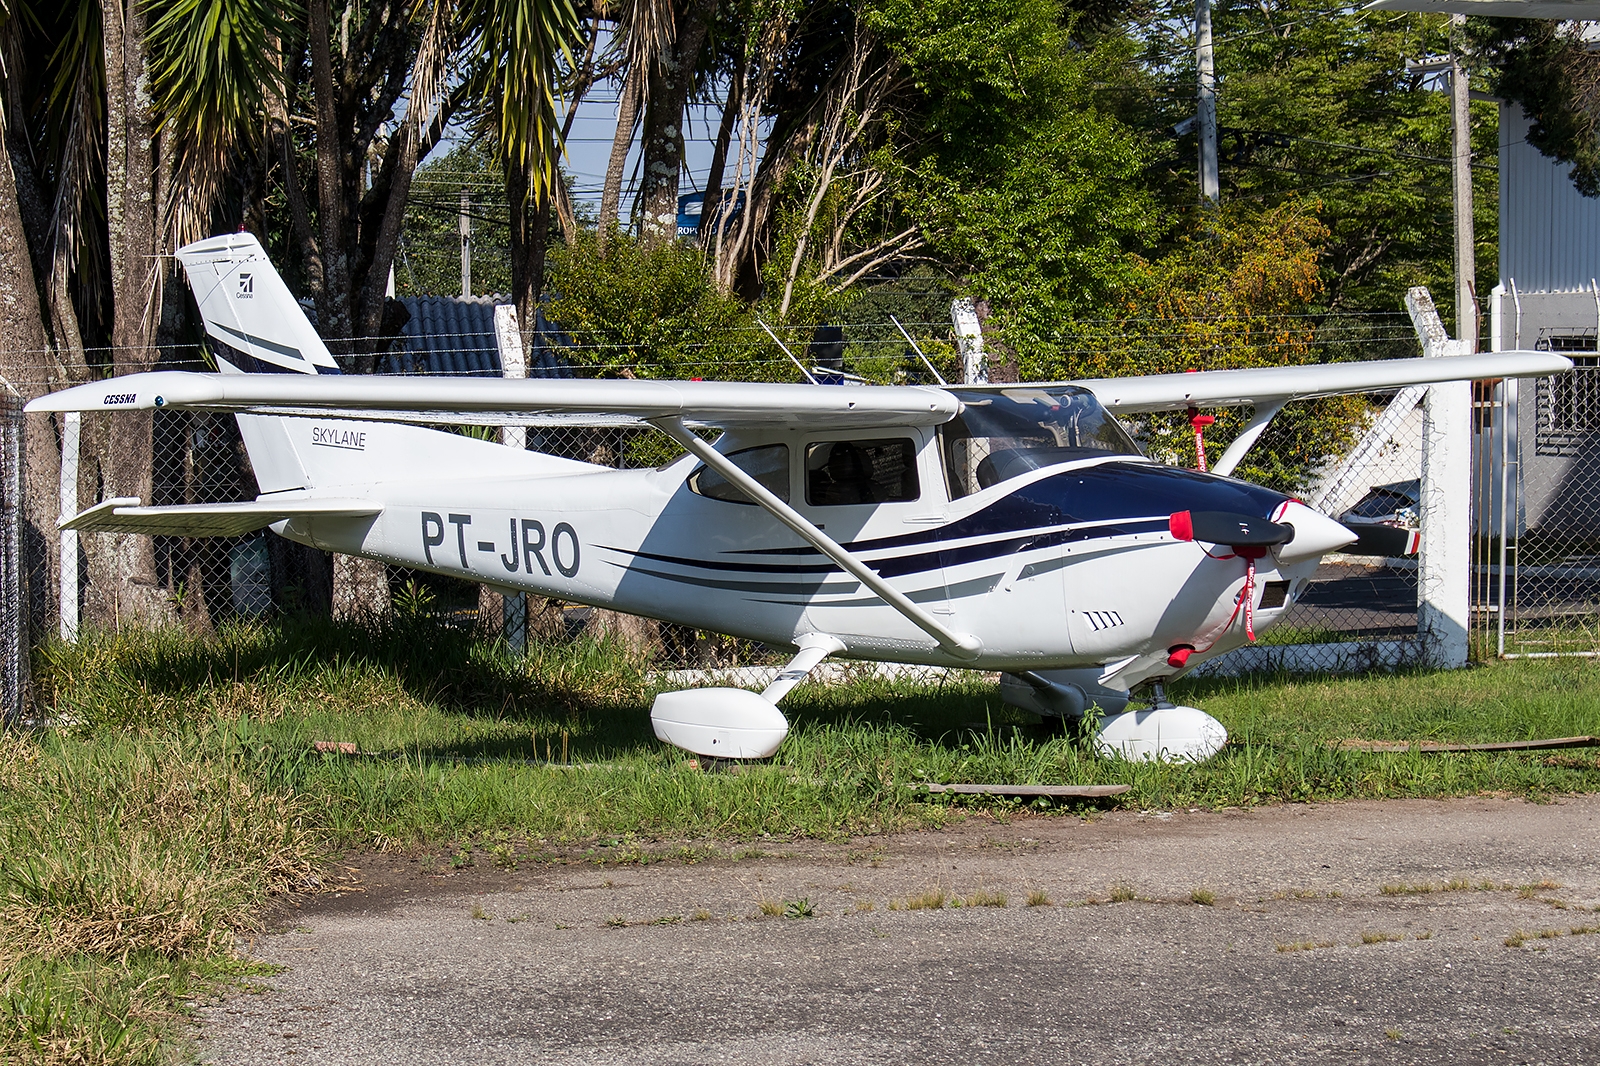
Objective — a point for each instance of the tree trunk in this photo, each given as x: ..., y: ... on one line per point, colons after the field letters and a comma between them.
x: 360, y: 588
x: 611, y: 191
x: 124, y: 571
x: 639, y: 636
x: 530, y: 244
x: 719, y: 163
x: 661, y: 140
x: 27, y: 361
x: 335, y: 317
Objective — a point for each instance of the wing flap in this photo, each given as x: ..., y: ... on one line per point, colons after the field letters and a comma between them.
x: 126, y: 515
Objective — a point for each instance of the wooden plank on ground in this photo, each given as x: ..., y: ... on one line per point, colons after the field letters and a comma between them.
x: 1057, y: 791
x: 1510, y: 745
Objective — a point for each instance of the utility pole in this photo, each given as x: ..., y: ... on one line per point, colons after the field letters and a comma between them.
x: 1461, y: 172
x: 1210, y: 189
x: 466, y: 244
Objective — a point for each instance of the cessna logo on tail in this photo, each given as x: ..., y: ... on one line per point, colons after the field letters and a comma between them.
x: 247, y: 286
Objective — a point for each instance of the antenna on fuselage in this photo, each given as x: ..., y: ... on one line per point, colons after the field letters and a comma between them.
x: 787, y: 352
x: 925, y: 360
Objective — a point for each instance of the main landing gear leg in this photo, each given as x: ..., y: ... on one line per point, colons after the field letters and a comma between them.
x: 735, y: 723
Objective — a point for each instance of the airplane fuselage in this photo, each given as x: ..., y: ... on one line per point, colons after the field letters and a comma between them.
x: 1074, y: 564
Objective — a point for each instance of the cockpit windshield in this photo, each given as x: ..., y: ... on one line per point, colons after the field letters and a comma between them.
x: 1004, y: 433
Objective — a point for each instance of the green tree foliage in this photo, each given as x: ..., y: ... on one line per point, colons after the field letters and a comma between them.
x: 1235, y: 294
x: 1315, y: 102
x: 1552, y: 70
x: 652, y: 311
x: 429, y: 263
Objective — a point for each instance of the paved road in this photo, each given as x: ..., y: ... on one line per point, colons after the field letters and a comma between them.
x: 1290, y: 963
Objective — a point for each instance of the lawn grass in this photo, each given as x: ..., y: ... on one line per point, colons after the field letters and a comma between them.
x: 181, y: 787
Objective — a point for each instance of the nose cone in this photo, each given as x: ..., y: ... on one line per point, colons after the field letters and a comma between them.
x: 1315, y: 534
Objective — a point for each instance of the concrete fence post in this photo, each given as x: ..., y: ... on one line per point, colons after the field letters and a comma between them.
x: 1444, y: 570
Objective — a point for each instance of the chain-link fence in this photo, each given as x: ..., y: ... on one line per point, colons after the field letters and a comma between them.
x: 13, y: 585
x: 1538, y: 575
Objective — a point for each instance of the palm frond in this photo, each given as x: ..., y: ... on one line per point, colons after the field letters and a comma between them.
x: 213, y: 72
x: 520, y: 48
x: 77, y: 122
x: 436, y: 51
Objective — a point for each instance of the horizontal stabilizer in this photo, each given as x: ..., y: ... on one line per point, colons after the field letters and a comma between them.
x: 125, y: 515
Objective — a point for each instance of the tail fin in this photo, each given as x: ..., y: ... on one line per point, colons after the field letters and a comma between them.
x: 253, y: 322
x: 256, y: 327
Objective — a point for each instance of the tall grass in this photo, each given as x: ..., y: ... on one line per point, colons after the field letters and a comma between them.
x: 182, y: 788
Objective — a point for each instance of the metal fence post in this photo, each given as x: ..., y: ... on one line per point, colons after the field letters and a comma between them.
x: 13, y: 583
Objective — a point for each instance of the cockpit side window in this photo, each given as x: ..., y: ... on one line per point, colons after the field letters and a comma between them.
x: 1004, y: 433
x: 768, y: 464
x: 861, y: 471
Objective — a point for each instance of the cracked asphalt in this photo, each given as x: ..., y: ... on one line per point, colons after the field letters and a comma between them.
x: 1294, y: 952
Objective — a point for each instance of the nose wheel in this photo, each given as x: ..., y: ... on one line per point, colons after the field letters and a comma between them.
x: 1161, y: 732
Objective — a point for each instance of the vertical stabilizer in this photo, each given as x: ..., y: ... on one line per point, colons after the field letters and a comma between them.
x: 255, y: 327
x: 251, y: 320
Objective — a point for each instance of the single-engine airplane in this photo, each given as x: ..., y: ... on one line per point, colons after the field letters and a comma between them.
x: 1015, y: 528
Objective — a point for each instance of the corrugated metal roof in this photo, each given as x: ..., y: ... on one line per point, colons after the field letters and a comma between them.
x: 455, y: 335
x: 1549, y: 232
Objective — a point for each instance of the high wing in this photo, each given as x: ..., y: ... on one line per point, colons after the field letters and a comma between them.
x: 724, y: 404
x: 125, y: 515
x: 746, y: 404
x: 1274, y: 386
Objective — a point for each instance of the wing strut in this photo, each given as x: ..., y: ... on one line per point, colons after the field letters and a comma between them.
x: 962, y: 646
x: 1242, y: 444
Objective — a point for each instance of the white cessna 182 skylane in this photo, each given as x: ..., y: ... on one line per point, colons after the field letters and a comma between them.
x: 1013, y: 528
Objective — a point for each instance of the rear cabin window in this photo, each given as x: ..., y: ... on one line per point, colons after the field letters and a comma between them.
x: 861, y: 471
x: 768, y: 464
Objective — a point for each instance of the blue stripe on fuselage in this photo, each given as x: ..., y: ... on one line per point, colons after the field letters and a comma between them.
x: 1107, y: 492
x: 1106, y: 500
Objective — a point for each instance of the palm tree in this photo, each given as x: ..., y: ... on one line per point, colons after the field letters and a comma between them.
x: 119, y: 117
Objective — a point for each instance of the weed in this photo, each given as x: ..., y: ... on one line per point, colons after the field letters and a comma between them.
x: 798, y: 908
x: 1426, y: 934
x: 1392, y: 1033
x: 1121, y: 893
x: 1517, y: 938
x: 617, y: 921
x: 504, y: 857
x: 668, y: 919
x: 986, y: 898
x: 1038, y: 897
x: 1203, y: 896
x: 770, y: 907
x: 701, y: 915
x: 865, y: 906
x: 1304, y: 945
x: 932, y: 900
x: 461, y: 859
x: 1381, y: 938
x: 479, y: 913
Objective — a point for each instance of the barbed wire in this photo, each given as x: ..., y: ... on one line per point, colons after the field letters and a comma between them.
x: 385, y: 342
